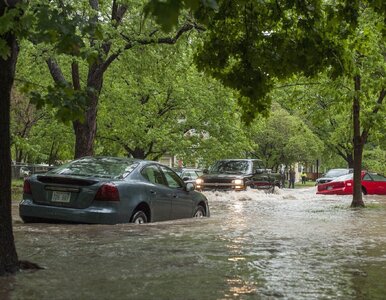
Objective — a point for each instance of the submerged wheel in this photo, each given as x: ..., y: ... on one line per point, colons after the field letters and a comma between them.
x: 199, y: 212
x: 364, y: 192
x: 139, y: 217
x: 29, y: 219
x: 271, y: 190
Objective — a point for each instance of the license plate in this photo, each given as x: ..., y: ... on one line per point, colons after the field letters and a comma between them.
x: 63, y: 197
x: 329, y: 187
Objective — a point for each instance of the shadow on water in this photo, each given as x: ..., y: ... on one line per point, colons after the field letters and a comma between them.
x: 290, y: 245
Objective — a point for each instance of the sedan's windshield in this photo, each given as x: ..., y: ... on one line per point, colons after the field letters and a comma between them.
x: 105, y: 167
x: 344, y: 177
x: 336, y: 172
x: 231, y: 167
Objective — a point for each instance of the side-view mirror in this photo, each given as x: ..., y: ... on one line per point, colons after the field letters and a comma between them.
x: 189, y: 187
x: 205, y: 171
x: 185, y: 178
x: 259, y: 171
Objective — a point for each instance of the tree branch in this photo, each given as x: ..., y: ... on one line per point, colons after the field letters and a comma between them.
x: 75, y: 75
x: 56, y: 72
x: 163, y: 40
x: 365, y: 132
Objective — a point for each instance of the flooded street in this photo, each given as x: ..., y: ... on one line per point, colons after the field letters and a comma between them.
x: 290, y: 245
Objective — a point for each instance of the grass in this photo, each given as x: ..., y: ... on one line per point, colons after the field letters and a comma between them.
x: 300, y: 185
x: 307, y: 184
x: 17, y: 189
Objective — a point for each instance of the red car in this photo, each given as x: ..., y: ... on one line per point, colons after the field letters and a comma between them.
x: 372, y: 184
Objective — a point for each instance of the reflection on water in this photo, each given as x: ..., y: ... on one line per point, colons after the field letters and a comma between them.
x: 290, y: 245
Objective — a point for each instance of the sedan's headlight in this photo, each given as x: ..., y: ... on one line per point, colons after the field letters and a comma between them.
x: 199, y: 181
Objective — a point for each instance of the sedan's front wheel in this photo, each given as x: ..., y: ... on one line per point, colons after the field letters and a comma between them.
x: 139, y: 217
x: 200, y: 212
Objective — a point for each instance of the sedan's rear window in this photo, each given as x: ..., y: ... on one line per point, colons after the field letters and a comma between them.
x: 105, y: 167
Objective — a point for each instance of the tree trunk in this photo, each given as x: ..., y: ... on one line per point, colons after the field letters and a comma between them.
x: 8, y: 256
x: 358, y: 147
x: 350, y: 161
x: 85, y: 132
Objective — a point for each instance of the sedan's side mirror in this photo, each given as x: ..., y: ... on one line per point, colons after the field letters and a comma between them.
x: 259, y: 171
x: 185, y: 178
x: 205, y: 171
x: 189, y: 187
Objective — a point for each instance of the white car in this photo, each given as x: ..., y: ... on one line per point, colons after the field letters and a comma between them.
x: 24, y: 172
x: 332, y: 174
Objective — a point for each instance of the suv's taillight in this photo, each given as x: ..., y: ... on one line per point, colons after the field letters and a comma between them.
x: 27, y: 187
x: 107, y: 192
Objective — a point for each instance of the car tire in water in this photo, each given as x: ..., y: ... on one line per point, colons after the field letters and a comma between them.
x: 139, y: 217
x: 199, y: 212
x: 271, y: 190
x: 29, y: 219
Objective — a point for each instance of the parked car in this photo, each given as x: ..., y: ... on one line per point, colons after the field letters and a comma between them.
x: 24, y: 172
x: 332, y: 174
x: 110, y: 190
x: 372, y: 183
x: 238, y: 174
x: 190, y: 174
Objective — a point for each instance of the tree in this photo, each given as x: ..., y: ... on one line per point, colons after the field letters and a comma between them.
x: 334, y: 105
x: 37, y: 135
x: 24, y: 116
x: 88, y: 44
x: 284, y: 139
x: 163, y: 105
x: 251, y: 43
x: 9, y: 15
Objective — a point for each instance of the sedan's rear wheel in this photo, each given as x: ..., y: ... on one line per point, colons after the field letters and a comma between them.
x: 29, y: 219
x: 200, y: 212
x: 139, y: 217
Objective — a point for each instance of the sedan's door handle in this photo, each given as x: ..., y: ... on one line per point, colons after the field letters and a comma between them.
x: 153, y: 192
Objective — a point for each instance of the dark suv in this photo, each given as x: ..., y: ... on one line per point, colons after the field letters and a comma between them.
x: 238, y: 174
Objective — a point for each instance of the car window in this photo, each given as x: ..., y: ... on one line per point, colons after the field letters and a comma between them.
x: 344, y: 177
x: 336, y: 173
x: 187, y: 174
x: 231, y: 167
x: 377, y: 177
x: 190, y: 174
x: 153, y: 174
x: 367, y: 177
x: 172, y: 179
x: 105, y: 167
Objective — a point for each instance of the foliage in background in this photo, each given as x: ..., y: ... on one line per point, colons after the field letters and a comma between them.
x: 163, y: 105
x: 284, y: 139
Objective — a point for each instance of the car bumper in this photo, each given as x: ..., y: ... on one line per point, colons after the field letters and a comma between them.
x: 90, y: 215
x: 335, y: 192
x: 231, y: 187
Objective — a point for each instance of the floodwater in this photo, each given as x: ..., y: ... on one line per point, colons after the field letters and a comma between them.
x: 289, y: 245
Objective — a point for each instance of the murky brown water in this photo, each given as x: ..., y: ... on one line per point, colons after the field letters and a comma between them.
x: 291, y: 245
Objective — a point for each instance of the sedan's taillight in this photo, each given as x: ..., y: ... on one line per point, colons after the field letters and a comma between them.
x: 27, y: 187
x: 107, y: 192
